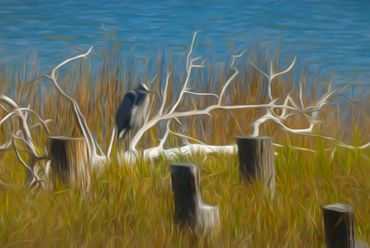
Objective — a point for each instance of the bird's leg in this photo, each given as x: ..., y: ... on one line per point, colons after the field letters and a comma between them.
x: 129, y: 139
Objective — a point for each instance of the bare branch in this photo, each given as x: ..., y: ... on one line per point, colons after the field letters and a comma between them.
x: 160, y: 112
x: 228, y: 82
x: 274, y: 75
x: 8, y: 101
x: 165, y: 135
x: 188, y: 58
x: 6, y: 145
x: 154, y: 78
x: 28, y: 168
x: 201, y: 94
x: 187, y: 137
x: 69, y: 60
x: 3, y: 108
x: 258, y: 69
x: 296, y: 148
x: 111, y: 142
x: 301, y: 94
x: 91, y: 143
x: 2, y: 121
x: 40, y: 124
x: 189, y: 66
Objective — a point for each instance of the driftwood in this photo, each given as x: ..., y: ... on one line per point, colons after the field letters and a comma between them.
x: 338, y: 223
x: 20, y: 138
x: 189, y: 207
x: 70, y: 162
x: 276, y: 109
x: 256, y: 160
x: 95, y: 154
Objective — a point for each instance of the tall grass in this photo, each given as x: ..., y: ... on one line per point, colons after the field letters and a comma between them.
x: 132, y: 206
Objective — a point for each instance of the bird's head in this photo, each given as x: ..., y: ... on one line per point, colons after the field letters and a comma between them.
x: 143, y: 88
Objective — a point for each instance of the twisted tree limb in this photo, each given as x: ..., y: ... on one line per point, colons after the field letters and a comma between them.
x: 288, y: 108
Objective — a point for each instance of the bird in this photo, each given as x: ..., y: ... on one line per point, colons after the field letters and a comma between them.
x: 132, y: 110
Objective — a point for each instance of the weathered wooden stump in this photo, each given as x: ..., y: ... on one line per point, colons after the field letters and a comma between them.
x: 338, y: 223
x: 69, y: 161
x: 189, y: 207
x: 256, y: 160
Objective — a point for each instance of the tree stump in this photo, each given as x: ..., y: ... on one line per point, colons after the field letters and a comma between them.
x: 70, y: 162
x: 339, y: 230
x: 189, y: 207
x: 256, y: 160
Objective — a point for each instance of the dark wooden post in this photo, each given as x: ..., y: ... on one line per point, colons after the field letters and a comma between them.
x: 338, y: 224
x: 189, y: 207
x: 69, y: 161
x: 256, y: 160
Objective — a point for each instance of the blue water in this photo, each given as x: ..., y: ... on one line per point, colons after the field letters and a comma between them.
x: 330, y: 38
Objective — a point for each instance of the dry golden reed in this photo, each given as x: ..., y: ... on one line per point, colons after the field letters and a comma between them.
x: 132, y: 206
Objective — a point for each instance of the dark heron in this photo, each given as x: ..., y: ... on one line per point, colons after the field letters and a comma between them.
x: 132, y: 110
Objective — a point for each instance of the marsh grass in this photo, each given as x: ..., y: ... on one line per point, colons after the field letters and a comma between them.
x: 132, y: 206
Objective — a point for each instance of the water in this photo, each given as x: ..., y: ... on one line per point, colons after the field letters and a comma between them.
x: 330, y: 38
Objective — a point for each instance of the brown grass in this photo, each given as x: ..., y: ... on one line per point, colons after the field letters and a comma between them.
x: 133, y: 206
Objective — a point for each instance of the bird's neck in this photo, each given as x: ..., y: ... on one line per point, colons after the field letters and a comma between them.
x: 140, y: 98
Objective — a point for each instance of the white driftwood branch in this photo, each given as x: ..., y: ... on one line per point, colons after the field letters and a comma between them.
x: 163, y: 115
x: 155, y: 152
x: 201, y: 94
x: 6, y: 145
x: 19, y: 132
x: 168, y: 111
x: 172, y: 153
x: 95, y: 153
x: 231, y: 78
x: 191, y: 63
x: 272, y: 75
x: 310, y: 113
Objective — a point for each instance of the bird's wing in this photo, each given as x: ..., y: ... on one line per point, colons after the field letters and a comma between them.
x: 124, y: 112
x: 139, y: 113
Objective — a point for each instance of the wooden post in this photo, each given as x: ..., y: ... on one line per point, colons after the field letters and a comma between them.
x: 189, y: 207
x: 256, y: 160
x: 69, y: 161
x: 338, y: 223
